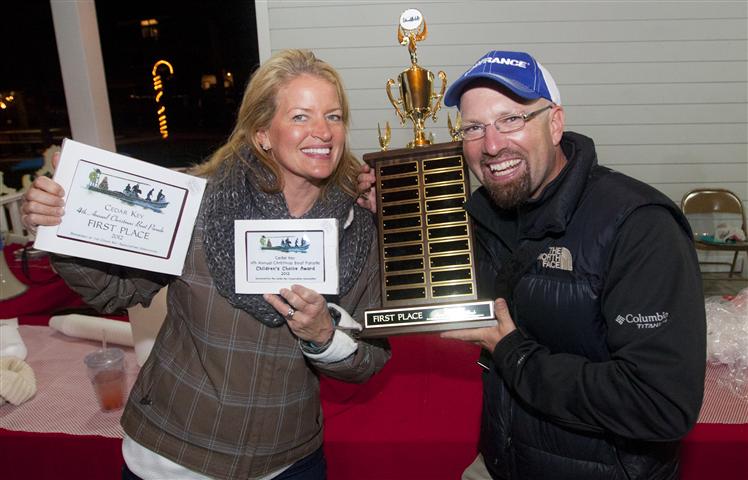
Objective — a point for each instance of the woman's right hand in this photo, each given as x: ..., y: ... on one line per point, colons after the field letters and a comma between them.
x: 43, y: 202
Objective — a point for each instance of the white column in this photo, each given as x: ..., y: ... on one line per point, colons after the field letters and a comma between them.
x: 262, y: 17
x: 79, y: 48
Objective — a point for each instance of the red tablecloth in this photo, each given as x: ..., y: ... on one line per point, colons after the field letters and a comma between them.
x: 715, y: 451
x: 47, y: 293
x: 42, y: 456
x: 418, y: 418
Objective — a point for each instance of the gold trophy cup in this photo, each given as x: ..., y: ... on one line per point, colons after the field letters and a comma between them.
x: 417, y: 99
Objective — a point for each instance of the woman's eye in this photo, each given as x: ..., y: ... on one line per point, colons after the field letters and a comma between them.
x: 334, y: 117
x: 299, y: 118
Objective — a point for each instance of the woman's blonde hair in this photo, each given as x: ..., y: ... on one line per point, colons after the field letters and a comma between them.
x: 258, y: 109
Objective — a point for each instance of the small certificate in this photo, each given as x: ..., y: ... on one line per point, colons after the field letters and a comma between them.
x: 122, y: 211
x: 273, y: 254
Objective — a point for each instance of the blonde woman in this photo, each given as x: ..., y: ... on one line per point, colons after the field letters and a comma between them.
x: 231, y: 388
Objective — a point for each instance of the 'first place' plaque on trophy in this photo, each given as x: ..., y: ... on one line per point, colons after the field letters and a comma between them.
x: 425, y: 243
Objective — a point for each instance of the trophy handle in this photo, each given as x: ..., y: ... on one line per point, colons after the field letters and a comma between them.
x: 421, y: 36
x: 454, y: 131
x: 395, y: 103
x: 438, y: 98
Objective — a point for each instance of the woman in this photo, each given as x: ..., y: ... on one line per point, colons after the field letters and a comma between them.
x: 230, y: 389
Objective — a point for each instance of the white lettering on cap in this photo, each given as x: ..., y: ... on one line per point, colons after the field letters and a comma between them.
x: 501, y: 60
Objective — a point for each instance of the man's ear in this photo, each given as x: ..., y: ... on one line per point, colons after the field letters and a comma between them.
x: 557, y: 124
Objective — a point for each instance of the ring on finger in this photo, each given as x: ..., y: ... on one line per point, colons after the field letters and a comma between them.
x: 290, y: 313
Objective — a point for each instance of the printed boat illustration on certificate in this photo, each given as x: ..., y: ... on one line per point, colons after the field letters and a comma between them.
x: 286, y: 245
x: 130, y: 194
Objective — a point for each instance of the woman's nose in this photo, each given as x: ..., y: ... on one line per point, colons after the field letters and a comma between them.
x: 321, y: 130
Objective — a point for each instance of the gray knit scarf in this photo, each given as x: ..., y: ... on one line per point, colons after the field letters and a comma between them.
x: 234, y: 193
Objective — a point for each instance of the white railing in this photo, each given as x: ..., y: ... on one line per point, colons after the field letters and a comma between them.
x: 11, y: 227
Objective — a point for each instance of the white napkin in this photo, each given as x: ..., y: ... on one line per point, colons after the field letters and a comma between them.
x: 93, y: 328
x: 729, y: 232
x: 11, y: 343
x: 17, y: 380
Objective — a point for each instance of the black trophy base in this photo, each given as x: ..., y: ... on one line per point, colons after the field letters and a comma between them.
x: 428, y: 318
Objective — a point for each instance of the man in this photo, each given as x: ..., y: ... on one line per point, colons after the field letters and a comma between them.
x: 596, y: 365
x: 595, y: 369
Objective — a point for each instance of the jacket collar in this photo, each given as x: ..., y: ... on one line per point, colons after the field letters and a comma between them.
x: 552, y: 211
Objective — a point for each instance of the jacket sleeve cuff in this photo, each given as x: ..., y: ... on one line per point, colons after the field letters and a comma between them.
x: 341, y: 347
x: 506, y: 345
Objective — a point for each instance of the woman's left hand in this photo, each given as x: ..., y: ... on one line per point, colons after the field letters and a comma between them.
x: 306, y: 313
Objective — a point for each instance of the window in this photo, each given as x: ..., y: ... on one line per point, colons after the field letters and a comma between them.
x: 176, y: 72
x: 175, y: 75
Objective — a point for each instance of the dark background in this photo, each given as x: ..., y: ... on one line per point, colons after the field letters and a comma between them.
x: 212, y: 46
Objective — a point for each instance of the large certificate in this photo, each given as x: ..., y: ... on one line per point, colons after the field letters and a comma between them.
x: 273, y: 254
x: 123, y: 211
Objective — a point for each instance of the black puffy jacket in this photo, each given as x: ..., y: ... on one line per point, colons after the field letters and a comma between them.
x: 605, y: 372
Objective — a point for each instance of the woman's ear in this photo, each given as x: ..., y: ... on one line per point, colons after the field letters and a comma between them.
x: 263, y: 139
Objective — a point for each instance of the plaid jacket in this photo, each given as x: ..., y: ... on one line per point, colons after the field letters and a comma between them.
x: 221, y: 393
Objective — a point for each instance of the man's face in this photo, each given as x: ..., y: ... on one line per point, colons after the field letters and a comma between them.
x: 517, y: 166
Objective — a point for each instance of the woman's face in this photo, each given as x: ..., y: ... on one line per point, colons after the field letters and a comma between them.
x: 307, y: 134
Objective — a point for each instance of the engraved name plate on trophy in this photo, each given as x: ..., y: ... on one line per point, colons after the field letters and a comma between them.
x: 425, y: 243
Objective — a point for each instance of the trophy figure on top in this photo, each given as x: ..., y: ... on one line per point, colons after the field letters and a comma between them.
x: 417, y: 100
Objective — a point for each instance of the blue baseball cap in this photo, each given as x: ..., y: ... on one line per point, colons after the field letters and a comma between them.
x: 517, y: 71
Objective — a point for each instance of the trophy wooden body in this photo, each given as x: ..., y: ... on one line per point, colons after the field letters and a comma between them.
x: 425, y: 242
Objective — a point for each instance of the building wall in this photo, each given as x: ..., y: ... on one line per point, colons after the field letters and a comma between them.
x: 662, y: 87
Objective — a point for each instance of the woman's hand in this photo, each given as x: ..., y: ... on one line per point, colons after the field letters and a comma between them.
x: 43, y: 202
x: 367, y: 192
x: 306, y: 313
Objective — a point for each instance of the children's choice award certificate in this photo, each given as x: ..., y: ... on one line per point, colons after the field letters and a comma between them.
x: 275, y: 254
x: 122, y: 211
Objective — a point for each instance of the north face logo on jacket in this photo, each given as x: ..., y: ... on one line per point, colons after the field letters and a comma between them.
x: 556, y: 257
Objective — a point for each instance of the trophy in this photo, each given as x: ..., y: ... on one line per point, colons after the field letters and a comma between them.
x: 416, y: 84
x: 425, y: 236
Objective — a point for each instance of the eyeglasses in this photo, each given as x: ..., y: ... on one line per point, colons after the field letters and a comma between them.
x: 506, y: 124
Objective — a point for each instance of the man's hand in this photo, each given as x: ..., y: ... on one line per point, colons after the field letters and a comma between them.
x: 367, y: 193
x: 487, y: 337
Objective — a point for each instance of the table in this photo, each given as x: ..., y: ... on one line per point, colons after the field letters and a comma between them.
x: 418, y: 418
x: 62, y: 424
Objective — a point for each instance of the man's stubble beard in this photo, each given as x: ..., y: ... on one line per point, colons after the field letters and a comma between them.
x: 509, y: 196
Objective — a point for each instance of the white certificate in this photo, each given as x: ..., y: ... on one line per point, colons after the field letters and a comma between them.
x: 123, y: 211
x: 275, y: 254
